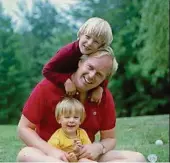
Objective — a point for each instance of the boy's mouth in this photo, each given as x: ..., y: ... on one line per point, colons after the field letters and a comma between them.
x: 86, y: 48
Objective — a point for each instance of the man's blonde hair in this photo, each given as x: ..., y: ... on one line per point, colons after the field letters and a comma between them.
x: 99, y: 28
x: 70, y: 106
x: 102, y: 52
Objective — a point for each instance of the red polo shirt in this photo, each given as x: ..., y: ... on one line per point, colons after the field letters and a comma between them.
x: 40, y: 110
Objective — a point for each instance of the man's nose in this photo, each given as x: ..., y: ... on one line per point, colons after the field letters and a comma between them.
x: 92, y: 74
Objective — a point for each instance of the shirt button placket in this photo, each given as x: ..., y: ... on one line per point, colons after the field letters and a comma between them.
x: 94, y: 112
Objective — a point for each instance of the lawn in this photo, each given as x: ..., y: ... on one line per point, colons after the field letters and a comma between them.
x: 137, y: 133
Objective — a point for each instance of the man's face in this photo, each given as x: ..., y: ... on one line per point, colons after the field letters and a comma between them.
x: 92, y: 72
x: 89, y: 44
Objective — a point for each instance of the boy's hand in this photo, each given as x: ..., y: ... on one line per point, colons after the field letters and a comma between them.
x: 70, y: 87
x: 96, y: 95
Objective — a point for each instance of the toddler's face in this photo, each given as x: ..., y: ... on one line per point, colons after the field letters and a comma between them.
x: 89, y: 44
x: 70, y: 124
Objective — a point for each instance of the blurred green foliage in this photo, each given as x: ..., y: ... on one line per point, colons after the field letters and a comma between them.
x: 140, y: 44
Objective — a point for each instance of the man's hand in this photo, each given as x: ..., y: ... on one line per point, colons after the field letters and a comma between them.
x: 72, y: 157
x: 90, y: 151
x: 96, y: 95
x: 70, y: 87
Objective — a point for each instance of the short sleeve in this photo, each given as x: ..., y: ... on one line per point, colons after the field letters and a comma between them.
x: 108, y: 112
x: 54, y: 141
x: 35, y: 105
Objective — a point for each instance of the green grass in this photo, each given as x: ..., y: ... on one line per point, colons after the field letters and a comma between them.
x: 137, y: 133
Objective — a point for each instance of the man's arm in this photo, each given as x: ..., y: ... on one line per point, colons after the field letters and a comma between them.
x: 107, y: 132
x: 26, y: 132
x: 108, y: 139
x: 93, y: 151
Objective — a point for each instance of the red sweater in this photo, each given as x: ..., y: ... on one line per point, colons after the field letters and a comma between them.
x: 64, y: 61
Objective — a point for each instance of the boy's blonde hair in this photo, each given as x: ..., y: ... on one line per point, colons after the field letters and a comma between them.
x: 97, y: 27
x: 70, y: 106
x: 102, y: 52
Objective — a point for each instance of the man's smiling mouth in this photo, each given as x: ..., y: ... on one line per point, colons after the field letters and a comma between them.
x: 86, y: 80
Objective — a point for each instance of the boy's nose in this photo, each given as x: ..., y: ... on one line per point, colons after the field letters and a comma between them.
x: 90, y: 41
x: 71, y: 119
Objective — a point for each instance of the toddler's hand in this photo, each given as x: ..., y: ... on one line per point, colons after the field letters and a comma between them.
x: 70, y: 87
x: 96, y: 95
x: 77, y: 146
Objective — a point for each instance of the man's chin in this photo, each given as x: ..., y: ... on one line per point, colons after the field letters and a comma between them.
x: 82, y: 89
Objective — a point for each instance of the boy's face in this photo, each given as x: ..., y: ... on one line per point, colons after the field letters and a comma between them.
x: 89, y: 44
x: 70, y: 124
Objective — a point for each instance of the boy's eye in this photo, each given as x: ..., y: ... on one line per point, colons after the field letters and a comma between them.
x: 76, y: 117
x: 88, y: 37
x: 96, y: 42
x: 66, y: 117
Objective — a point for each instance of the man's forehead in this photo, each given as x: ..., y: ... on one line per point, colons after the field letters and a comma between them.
x: 101, y: 62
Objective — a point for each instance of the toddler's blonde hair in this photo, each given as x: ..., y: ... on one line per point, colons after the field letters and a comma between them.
x: 70, y: 106
x: 99, y: 28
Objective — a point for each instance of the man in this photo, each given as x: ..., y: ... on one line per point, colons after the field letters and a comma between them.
x: 38, y: 122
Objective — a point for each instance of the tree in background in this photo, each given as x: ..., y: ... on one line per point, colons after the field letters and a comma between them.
x: 13, y: 88
x: 25, y: 51
x: 140, y: 30
x: 153, y: 55
x: 47, y: 30
x: 134, y: 92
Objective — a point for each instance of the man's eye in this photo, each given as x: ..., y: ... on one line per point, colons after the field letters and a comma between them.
x: 90, y: 67
x: 98, y: 74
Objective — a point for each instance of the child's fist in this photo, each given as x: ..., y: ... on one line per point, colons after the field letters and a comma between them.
x: 70, y: 87
x: 96, y: 95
